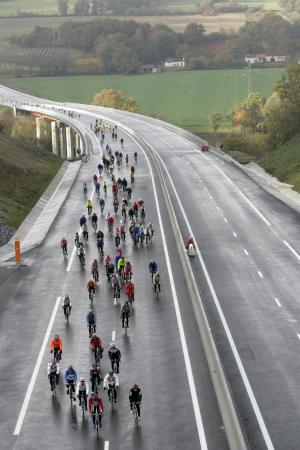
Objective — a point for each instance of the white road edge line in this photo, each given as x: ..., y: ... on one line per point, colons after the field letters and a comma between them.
x: 298, y: 336
x: 246, y: 253
x: 36, y: 370
x: 260, y: 274
x: 80, y: 233
x: 225, y: 220
x: 190, y: 376
x: 113, y: 336
x: 106, y: 445
x: 234, y: 234
x: 278, y: 302
x: 292, y: 250
x: 244, y: 376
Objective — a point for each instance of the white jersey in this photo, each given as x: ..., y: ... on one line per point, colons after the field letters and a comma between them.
x: 110, y: 381
x: 82, y: 387
x: 53, y: 368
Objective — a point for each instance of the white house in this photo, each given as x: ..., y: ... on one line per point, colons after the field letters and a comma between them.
x: 262, y: 58
x: 170, y: 63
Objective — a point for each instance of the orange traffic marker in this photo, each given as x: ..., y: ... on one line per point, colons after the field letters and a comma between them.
x: 18, y: 250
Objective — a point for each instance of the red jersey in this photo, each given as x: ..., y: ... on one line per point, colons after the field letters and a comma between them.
x: 129, y: 289
x: 96, y: 342
x: 95, y: 401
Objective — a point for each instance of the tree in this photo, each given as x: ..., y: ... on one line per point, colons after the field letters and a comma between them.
x: 115, y: 99
x: 215, y: 120
x: 62, y: 7
x: 81, y: 8
x: 193, y: 33
x: 288, y: 87
x: 249, y: 114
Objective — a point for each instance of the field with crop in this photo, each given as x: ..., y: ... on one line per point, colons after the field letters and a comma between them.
x: 183, y: 98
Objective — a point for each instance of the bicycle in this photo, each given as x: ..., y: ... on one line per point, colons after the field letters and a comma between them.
x: 97, y: 354
x: 135, y: 413
x: 156, y: 286
x: 53, y: 383
x: 57, y: 354
x: 82, y: 261
x: 85, y: 192
x: 82, y: 400
x: 117, y: 291
x: 95, y: 274
x: 91, y: 294
x: 64, y: 251
x: 98, y: 421
x: 94, y: 225
x: 132, y: 180
x: 114, y: 365
x: 111, y: 395
x: 68, y: 313
x: 71, y: 390
x: 92, y: 329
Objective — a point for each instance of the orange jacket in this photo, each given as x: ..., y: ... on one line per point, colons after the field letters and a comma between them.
x: 54, y: 344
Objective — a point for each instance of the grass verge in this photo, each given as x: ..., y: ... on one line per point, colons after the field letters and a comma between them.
x: 284, y: 163
x: 27, y: 171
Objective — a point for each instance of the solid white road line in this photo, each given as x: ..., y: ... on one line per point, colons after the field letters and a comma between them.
x: 298, y: 336
x: 190, y: 376
x: 225, y: 220
x: 278, y: 302
x: 74, y: 248
x: 106, y: 445
x: 234, y: 350
x: 246, y: 253
x: 218, y: 208
x: 113, y: 336
x: 234, y: 234
x: 36, y: 370
x: 292, y: 250
x: 260, y: 274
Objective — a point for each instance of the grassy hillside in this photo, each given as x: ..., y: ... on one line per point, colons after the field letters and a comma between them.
x: 183, y: 98
x: 284, y: 163
x: 26, y: 172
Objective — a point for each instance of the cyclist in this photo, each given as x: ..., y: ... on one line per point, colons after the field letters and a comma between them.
x: 100, y: 169
x: 82, y: 390
x: 129, y: 192
x: 56, y: 346
x: 119, y: 182
x: 110, y: 222
x: 114, y: 355
x: 64, y: 246
x: 110, y: 268
x: 152, y: 269
x: 67, y: 304
x: 129, y: 289
x: 135, y: 156
x: 126, y: 158
x: 95, y: 270
x: 81, y: 252
x: 82, y: 220
x: 107, y: 261
x: 135, y: 398
x: 136, y: 233
x: 100, y: 245
x: 116, y: 205
x: 91, y: 287
x: 131, y: 213
x: 70, y: 380
x: 124, y: 184
x: 105, y: 187
x: 122, y: 142
x: 96, y: 342
x: 135, y: 209
x: 95, y: 376
x: 97, y: 188
x: 115, y: 282
x: 125, y: 312
x: 53, y: 370
x: 111, y: 383
x: 102, y: 204
x: 127, y: 271
x: 123, y: 232
x: 94, y: 221
x: 121, y: 264
x: 91, y: 322
x: 100, y: 234
x: 95, y: 179
x: 117, y: 238
x: 77, y: 239
x: 142, y: 212
x: 140, y: 202
x: 85, y: 189
x: 89, y: 206
x: 95, y: 404
x: 132, y: 170
x: 85, y: 232
x: 156, y: 281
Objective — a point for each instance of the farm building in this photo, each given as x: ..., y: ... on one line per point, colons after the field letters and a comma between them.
x: 170, y: 63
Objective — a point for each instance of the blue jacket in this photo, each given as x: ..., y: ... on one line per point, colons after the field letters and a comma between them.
x: 116, y: 260
x: 136, y: 231
x: 82, y: 220
x: 69, y: 375
x: 153, y: 267
x: 91, y: 319
x: 101, y: 201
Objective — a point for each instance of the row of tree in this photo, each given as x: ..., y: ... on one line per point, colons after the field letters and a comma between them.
x: 114, y: 46
x: 261, y: 125
x: 101, y: 7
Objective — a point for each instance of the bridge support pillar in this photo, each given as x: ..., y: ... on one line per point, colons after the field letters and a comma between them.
x: 62, y: 141
x: 70, y: 138
x: 55, y: 141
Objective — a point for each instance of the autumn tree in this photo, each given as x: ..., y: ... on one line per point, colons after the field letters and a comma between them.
x: 115, y: 99
x: 215, y: 120
x: 249, y: 114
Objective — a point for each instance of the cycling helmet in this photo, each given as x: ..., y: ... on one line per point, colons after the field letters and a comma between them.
x: 82, y: 379
x: 94, y: 366
x: 90, y: 310
x: 112, y: 344
x: 94, y: 335
x: 111, y: 372
x: 135, y: 386
x: 56, y: 337
x: 70, y: 367
x: 67, y: 296
x: 53, y: 361
x: 93, y: 394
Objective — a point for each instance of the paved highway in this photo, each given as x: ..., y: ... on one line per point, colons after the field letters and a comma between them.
x: 247, y: 272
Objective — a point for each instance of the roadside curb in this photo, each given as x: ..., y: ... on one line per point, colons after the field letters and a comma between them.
x: 36, y: 225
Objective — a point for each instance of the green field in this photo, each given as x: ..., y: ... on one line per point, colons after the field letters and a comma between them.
x: 182, y: 98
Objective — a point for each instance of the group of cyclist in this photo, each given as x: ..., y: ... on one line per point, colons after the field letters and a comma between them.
x: 118, y: 271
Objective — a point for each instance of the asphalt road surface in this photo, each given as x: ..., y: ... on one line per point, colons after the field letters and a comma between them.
x: 248, y: 275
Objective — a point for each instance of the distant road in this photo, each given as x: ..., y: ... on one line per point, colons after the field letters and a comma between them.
x: 248, y: 276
